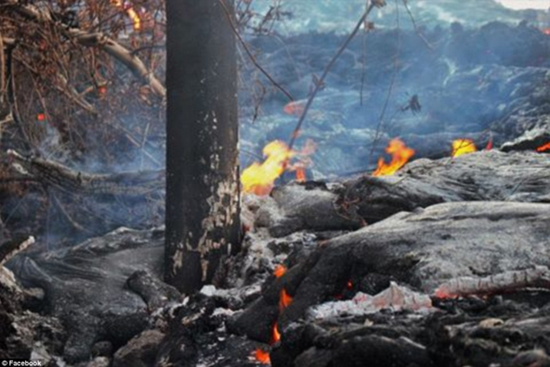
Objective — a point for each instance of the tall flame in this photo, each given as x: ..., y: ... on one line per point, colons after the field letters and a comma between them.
x: 284, y: 300
x: 400, y: 153
x: 132, y: 13
x: 259, y: 178
x: 544, y: 148
x: 463, y: 146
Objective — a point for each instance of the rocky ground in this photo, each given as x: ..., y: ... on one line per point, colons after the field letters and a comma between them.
x: 443, y: 264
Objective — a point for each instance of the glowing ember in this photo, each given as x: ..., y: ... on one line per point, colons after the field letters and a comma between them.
x: 546, y: 31
x: 284, y: 301
x: 132, y: 13
x: 259, y: 178
x: 262, y: 356
x: 41, y: 117
x: 280, y: 270
x: 400, y: 156
x: 463, y: 146
x: 102, y: 90
x: 349, y: 285
x: 544, y: 148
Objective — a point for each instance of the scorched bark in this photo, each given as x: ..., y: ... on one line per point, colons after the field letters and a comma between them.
x: 202, y: 198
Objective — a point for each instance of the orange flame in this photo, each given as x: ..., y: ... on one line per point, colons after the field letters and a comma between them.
x: 132, y: 13
x: 284, y: 301
x: 262, y: 356
x: 276, y: 335
x: 259, y: 178
x: 463, y: 146
x: 41, y: 117
x: 400, y: 156
x: 544, y: 148
x: 280, y: 270
x: 300, y: 174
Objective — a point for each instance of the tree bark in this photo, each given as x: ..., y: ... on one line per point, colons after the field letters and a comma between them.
x: 202, y: 195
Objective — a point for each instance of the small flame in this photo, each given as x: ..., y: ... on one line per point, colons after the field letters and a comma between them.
x: 544, y: 148
x: 463, y: 146
x: 349, y: 285
x: 284, y: 301
x: 489, y: 144
x: 262, y: 356
x: 41, y: 117
x: 280, y: 270
x: 132, y: 13
x: 400, y: 156
x: 300, y: 174
x: 276, y: 335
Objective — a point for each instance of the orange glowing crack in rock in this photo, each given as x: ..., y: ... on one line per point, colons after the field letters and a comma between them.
x: 544, y: 148
x: 400, y: 153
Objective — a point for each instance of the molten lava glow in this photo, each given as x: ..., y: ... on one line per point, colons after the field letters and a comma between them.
x: 400, y: 156
x: 544, y: 148
x: 284, y: 300
x: 280, y: 270
x: 132, y: 13
x: 260, y: 178
x: 463, y: 146
x: 262, y: 356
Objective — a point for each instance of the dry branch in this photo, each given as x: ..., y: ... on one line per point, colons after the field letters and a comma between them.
x: 100, y: 40
x: 55, y: 175
x: 123, y: 55
x: 10, y: 248
x: 538, y: 277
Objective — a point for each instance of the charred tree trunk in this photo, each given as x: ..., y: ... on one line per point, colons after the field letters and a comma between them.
x: 202, y: 196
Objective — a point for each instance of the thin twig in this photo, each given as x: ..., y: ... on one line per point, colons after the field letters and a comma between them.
x: 321, y: 80
x: 249, y: 53
x: 417, y: 30
x: 390, y: 88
